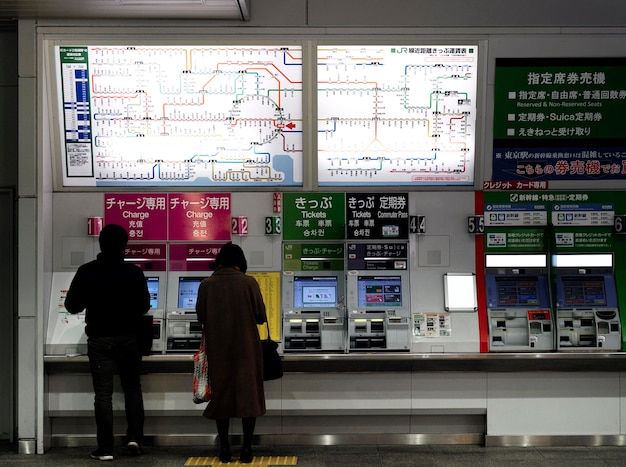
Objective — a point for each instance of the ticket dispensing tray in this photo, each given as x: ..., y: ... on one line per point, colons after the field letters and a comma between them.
x: 589, y: 329
x: 183, y: 332
x: 587, y: 314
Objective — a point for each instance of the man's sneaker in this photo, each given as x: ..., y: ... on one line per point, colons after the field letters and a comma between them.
x: 102, y: 455
x: 133, y: 448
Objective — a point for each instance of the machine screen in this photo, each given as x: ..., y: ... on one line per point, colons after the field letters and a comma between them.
x: 153, y: 289
x: 188, y: 291
x: 583, y: 291
x: 518, y: 291
x: 318, y: 292
x: 379, y: 291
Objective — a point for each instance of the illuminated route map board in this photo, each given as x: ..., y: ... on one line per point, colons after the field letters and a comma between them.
x: 395, y: 115
x: 180, y: 116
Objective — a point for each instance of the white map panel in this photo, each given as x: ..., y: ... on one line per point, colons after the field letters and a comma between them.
x: 396, y: 115
x: 181, y: 115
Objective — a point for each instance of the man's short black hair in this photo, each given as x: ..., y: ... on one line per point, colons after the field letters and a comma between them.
x: 113, y: 239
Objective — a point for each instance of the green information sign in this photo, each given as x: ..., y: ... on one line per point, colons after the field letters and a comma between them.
x: 73, y: 54
x: 580, y: 222
x: 313, y: 257
x: 314, y: 216
x: 547, y: 99
x: 519, y: 240
x: 559, y: 119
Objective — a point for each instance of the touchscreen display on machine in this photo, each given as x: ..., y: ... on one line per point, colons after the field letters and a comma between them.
x: 153, y: 290
x: 314, y: 292
x: 379, y: 291
x: 583, y: 291
x: 518, y: 291
x: 188, y: 291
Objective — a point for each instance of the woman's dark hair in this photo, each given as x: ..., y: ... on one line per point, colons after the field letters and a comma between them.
x: 113, y: 239
x: 231, y: 255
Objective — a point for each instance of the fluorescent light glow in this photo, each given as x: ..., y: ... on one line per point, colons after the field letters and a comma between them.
x: 516, y: 261
x: 582, y: 261
x: 460, y: 292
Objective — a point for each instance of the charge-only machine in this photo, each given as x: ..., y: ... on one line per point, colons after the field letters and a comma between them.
x: 313, y: 280
x: 378, y: 291
x: 173, y: 237
x: 66, y: 333
x: 517, y: 275
x: 583, y: 273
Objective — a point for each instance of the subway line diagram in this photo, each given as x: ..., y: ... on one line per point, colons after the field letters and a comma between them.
x: 192, y: 116
x: 396, y: 115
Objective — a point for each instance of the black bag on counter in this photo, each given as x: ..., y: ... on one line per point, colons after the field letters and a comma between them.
x: 272, y: 363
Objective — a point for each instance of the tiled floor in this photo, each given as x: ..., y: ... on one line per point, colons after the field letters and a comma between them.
x: 338, y: 456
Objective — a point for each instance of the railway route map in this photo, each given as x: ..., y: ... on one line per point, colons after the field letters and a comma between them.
x: 396, y: 115
x: 149, y: 115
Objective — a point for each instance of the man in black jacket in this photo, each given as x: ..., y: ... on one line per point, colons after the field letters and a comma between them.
x: 115, y: 296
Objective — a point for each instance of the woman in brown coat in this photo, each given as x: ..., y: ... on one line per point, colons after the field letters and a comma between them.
x: 230, y: 306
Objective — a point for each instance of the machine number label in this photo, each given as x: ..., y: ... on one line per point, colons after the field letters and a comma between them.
x: 476, y: 224
x: 272, y: 225
x: 417, y: 224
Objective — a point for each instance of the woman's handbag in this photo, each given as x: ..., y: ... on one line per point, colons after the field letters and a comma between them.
x: 201, y: 383
x: 272, y: 363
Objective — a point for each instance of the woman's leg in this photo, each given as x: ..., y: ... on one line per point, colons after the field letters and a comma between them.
x: 248, y: 432
x: 222, y: 431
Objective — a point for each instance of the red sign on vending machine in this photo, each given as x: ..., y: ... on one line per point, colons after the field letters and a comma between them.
x: 199, y: 216
x: 144, y: 215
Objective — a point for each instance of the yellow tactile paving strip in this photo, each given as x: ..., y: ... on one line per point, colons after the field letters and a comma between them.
x: 256, y: 461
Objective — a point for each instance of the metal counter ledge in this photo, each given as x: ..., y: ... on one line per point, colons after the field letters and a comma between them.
x: 382, y: 362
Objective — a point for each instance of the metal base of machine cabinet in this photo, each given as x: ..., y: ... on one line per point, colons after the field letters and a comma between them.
x: 26, y: 446
x: 554, y: 440
x: 290, y: 440
x: 479, y: 439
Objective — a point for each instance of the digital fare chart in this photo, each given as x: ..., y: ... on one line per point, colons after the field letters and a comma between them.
x: 181, y: 116
x: 396, y: 115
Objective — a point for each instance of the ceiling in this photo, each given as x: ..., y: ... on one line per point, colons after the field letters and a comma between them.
x: 122, y: 9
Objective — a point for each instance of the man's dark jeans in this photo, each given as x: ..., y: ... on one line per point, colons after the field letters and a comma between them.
x: 106, y: 356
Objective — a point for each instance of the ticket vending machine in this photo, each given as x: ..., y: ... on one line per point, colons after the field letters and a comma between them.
x: 313, y: 298
x: 157, y: 289
x: 65, y: 334
x: 313, y: 311
x: 518, y: 303
x: 379, y: 307
x: 586, y: 303
x: 183, y: 331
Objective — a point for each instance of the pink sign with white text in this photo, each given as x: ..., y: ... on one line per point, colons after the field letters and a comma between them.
x: 143, y: 215
x: 199, y: 216
x: 193, y: 256
x: 148, y: 256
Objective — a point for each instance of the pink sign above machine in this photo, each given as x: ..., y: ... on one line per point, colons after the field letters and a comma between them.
x: 143, y: 215
x: 196, y: 217
x: 148, y: 256
x: 199, y: 217
x: 193, y: 256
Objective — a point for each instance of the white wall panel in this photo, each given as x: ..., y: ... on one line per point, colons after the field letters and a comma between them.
x: 553, y: 403
x: 354, y: 393
x: 449, y: 392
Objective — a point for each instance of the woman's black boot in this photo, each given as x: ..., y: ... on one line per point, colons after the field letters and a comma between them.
x: 222, y: 431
